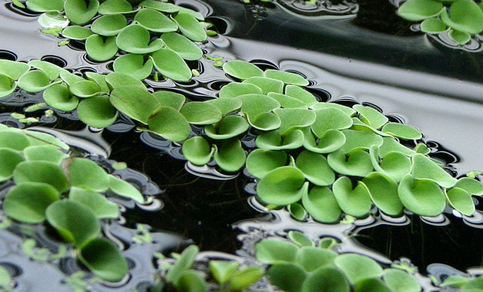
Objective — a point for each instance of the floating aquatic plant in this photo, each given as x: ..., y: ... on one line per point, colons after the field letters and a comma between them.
x: 65, y: 191
x: 462, y: 18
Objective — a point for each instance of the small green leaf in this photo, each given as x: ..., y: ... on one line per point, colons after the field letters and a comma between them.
x: 201, y: 113
x: 229, y: 155
x: 421, y: 196
x: 300, y: 94
x: 81, y: 11
x: 100, y: 49
x: 383, y: 192
x: 160, y: 6
x: 134, y: 65
x: 73, y: 221
x: 286, y: 77
x: 191, y: 281
x: 326, y: 279
x: 471, y: 185
x: 242, y: 70
x: 155, y: 21
x: 190, y: 27
x: 109, y: 25
x: 171, y: 65
x: 370, y: 116
x: 42, y: 172
x: 27, y: 202
x: 300, y: 238
x: 116, y: 80
x: 433, y: 25
x: 315, y: 168
x: 87, y: 174
x: 169, y: 124
x: 402, y: 131
x: 322, y: 205
x: 400, y: 281
x: 330, y: 142
x: 355, y: 163
x: 58, y: 96
x: 124, y: 189
x: 460, y: 37
x: 99, y: 205
x: 104, y: 259
x: 43, y: 153
x: 464, y: 16
x: 287, y: 276
x: 357, y: 267
x: 360, y: 140
x: 223, y: 270
x: 34, y: 81
x: 330, y: 119
x: 183, y: 46
x: 461, y: 200
x: 285, y: 100
x: 267, y: 85
x: 135, y: 39
x: 184, y: 262
x: 255, y: 104
x: 282, y: 186
x: 13, y: 140
x: 297, y: 211
x: 7, y: 85
x: 135, y: 102
x: 244, y: 278
x: 294, y: 119
x: 198, y: 150
x: 10, y: 158
x: 425, y: 168
x: 13, y: 69
x: 115, y: 7
x: 261, y: 162
x: 45, y: 6
x: 353, y: 201
x: 371, y: 284
x: 236, y: 89
x: 226, y: 105
x: 455, y: 281
x: 274, y: 141
x: 75, y: 32
x: 85, y: 88
x: 417, y: 10
x: 272, y: 251
x: 52, y: 71
x: 170, y: 99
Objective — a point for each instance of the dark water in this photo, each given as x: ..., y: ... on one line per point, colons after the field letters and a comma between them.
x: 409, y: 76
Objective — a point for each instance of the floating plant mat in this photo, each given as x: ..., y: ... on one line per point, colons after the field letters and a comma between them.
x: 351, y: 143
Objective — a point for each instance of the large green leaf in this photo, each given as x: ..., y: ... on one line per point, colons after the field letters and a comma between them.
x: 80, y: 11
x: 315, y: 168
x: 58, y: 96
x: 230, y: 155
x: 99, y: 205
x: 356, y: 163
x: 184, y: 262
x: 190, y: 27
x: 282, y: 186
x: 9, y: 158
x: 100, y: 49
x: 286, y: 77
x: 287, y: 276
x: 322, y: 205
x: 41, y: 172
x: 14, y: 140
x: 417, y: 10
x: 109, y: 25
x: 13, y: 69
x: 135, y: 102
x: 115, y: 7
x: 223, y: 270
x: 134, y: 65
x: 464, y: 16
x: 261, y: 162
x: 198, y: 150
x: 421, y: 196
x: 169, y: 124
x: 330, y: 119
x: 73, y: 221
x: 155, y: 21
x: 42, y: 152
x: 383, y: 192
x: 75, y: 32
x: 44, y: 6
x: 87, y: 174
x: 104, y: 259
x: 228, y: 127
x: 312, y: 258
x: 34, y: 81
x: 183, y: 46
x: 97, y: 112
x: 461, y: 200
x: 27, y: 202
x: 7, y: 85
x: 400, y: 281
x: 124, y: 189
x: 353, y: 201
x: 272, y: 251
x: 242, y: 70
x: 292, y: 118
x: 135, y: 39
x: 357, y: 267
x: 171, y: 65
x: 425, y: 168
x: 201, y: 113
x: 326, y: 279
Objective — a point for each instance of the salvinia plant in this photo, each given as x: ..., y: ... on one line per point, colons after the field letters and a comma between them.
x: 52, y: 185
x: 462, y: 19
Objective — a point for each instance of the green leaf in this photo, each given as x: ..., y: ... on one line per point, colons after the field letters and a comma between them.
x: 99, y: 205
x: 75, y: 32
x: 384, y: 193
x: 274, y: 141
x: 370, y: 116
x: 392, y: 145
x: 171, y: 65
x: 330, y: 119
x: 169, y: 124
x: 42, y: 172
x: 371, y: 284
x: 135, y: 102
x: 267, y: 85
x: 190, y: 27
x: 475, y: 285
x: 100, y: 80
x: 58, y: 96
x: 360, y: 140
x: 297, y: 211
x: 464, y: 16
x: 228, y: 127
x: 461, y: 200
x: 85, y: 88
x: 471, y: 185
x: 261, y: 162
x: 460, y: 37
x: 53, y: 21
x: 44, y: 6
x: 324, y: 105
x: 285, y: 100
x: 87, y: 174
x: 236, y: 89
x: 7, y: 85
x: 109, y: 25
x: 201, y: 113
x: 34, y: 81
x: 395, y: 164
x: 402, y: 131
x: 116, y: 80
x: 356, y: 163
x: 73, y: 221
x: 273, y: 251
x: 294, y: 119
x: 14, y: 140
x: 104, y: 259
x: 182, y: 46
x: 421, y: 196
x: 242, y: 70
x: 39, y: 138
x: 286, y: 77
x: 124, y: 189
x: 357, y: 267
x: 433, y: 25
x: 400, y: 281
x: 326, y: 279
x: 161, y: 6
x: 254, y: 104
x: 135, y: 39
x: 229, y: 155
x: 41, y: 152
x: 155, y: 21
x: 287, y: 276
x: 315, y: 168
x: 312, y: 258
x: 100, y: 49
x: 353, y: 201
x: 197, y: 150
x: 300, y: 238
x: 13, y: 69
x: 265, y: 122
x: 134, y: 65
x: 184, y: 262
x: 223, y: 270
x: 52, y: 71
x: 69, y: 78
x: 330, y: 142
x: 282, y: 186
x: 115, y: 7
x: 300, y: 94
x: 425, y: 168
x: 322, y: 205
x: 80, y: 11
x: 191, y: 281
x: 170, y: 99
x: 455, y: 281
x: 417, y: 10
x: 27, y: 202
x: 10, y: 158
x: 244, y: 278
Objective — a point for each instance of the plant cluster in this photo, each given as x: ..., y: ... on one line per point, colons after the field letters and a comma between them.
x: 149, y: 34
x: 66, y: 191
x: 227, y: 275
x: 461, y: 18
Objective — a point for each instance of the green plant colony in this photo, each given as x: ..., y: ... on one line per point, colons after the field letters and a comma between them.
x: 318, y: 159
x: 461, y: 18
